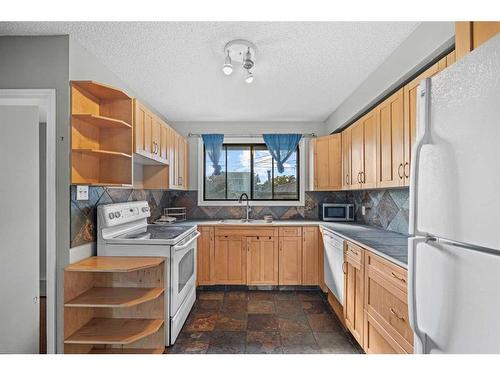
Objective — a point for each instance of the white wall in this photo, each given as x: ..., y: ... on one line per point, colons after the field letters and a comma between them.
x: 428, y: 41
x: 240, y: 128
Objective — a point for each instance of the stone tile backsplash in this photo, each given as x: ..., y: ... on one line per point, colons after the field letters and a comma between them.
x: 386, y: 209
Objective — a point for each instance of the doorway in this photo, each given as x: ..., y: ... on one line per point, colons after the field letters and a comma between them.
x: 27, y: 221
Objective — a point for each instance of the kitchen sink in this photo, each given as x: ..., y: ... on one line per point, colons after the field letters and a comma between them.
x: 243, y: 222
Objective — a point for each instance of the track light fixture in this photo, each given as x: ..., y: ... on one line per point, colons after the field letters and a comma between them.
x: 241, y: 51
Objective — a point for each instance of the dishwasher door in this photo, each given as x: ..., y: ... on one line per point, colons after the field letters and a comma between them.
x: 333, y: 260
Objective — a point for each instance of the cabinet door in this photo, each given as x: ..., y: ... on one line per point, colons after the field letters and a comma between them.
x: 143, y: 121
x: 262, y: 260
x: 229, y: 262
x: 410, y: 116
x: 321, y: 150
x: 346, y: 159
x: 164, y: 143
x: 377, y: 340
x: 482, y: 31
x: 174, y: 160
x: 390, y: 141
x: 335, y: 161
x: 156, y: 137
x: 205, y: 256
x: 357, y: 157
x: 470, y: 35
x: 368, y: 176
x: 353, y: 295
x: 310, y: 256
x: 185, y: 164
x: 290, y: 261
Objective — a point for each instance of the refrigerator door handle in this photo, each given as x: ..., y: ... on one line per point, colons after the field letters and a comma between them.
x: 412, y: 298
x: 464, y: 245
x: 423, y: 106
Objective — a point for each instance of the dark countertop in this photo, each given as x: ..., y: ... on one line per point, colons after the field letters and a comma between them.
x: 389, y: 245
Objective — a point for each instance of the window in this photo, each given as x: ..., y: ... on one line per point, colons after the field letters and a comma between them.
x: 250, y: 169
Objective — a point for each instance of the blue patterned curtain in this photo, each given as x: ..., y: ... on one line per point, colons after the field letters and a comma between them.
x: 213, y: 145
x: 281, y: 147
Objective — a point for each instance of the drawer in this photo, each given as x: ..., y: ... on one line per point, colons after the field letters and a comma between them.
x: 353, y: 251
x: 290, y: 231
x: 376, y: 339
x: 245, y: 232
x: 394, y: 274
x: 388, y: 305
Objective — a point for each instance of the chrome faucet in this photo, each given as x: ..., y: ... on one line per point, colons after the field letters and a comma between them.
x: 248, y: 209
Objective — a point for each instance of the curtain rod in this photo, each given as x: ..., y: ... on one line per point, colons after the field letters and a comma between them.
x: 305, y: 135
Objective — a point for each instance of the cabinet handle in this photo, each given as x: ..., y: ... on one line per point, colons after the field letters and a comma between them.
x: 397, y: 277
x: 393, y: 312
x: 363, y: 177
x: 399, y: 171
x: 343, y: 267
x: 407, y: 175
x: 347, y: 179
x: 353, y: 251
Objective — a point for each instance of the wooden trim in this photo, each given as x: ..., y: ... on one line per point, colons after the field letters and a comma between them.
x: 463, y: 38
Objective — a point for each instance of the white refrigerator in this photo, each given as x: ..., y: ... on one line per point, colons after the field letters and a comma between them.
x: 454, y: 244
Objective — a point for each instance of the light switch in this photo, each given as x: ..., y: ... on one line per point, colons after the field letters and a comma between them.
x: 82, y: 193
x: 363, y: 210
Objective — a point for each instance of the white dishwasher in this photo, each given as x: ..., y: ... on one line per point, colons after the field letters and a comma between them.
x: 334, y: 259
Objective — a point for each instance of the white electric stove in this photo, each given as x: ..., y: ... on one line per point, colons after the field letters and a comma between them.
x: 123, y: 230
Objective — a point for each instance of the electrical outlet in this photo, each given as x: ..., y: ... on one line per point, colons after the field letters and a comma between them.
x: 363, y: 210
x: 82, y: 193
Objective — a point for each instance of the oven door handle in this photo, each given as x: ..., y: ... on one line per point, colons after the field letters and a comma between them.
x: 187, y: 244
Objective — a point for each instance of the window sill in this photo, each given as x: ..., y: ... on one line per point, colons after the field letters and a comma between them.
x: 299, y: 203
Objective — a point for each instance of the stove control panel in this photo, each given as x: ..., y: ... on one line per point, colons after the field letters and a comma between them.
x: 122, y: 213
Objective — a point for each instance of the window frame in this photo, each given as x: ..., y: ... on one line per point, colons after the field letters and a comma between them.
x: 252, y: 142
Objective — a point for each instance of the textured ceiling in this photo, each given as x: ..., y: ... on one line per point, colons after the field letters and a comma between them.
x: 303, y: 70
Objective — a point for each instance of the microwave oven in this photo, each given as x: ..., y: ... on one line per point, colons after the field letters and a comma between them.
x: 337, y: 212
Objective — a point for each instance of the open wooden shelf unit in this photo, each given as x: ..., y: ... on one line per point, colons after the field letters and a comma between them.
x: 114, y: 305
x: 101, y: 134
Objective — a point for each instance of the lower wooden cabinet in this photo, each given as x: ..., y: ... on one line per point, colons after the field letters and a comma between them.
x: 229, y: 260
x: 354, y: 290
x: 205, y: 256
x: 290, y: 260
x: 262, y: 260
x: 259, y: 256
x: 310, y: 256
x: 386, y: 299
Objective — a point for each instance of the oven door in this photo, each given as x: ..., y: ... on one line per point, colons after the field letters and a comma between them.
x: 183, y: 272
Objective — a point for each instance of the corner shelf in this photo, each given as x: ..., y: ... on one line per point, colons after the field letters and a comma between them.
x: 114, y: 331
x: 118, y: 302
x: 101, y: 135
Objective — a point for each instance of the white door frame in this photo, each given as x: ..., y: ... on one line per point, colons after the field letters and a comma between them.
x: 45, y: 99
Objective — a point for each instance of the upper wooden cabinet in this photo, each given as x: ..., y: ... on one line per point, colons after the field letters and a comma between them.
x: 327, y: 162
x: 470, y: 35
x: 363, y: 152
x: 101, y: 135
x: 410, y: 110
x: 262, y: 260
x: 178, y: 159
x: 390, y: 141
x: 346, y: 159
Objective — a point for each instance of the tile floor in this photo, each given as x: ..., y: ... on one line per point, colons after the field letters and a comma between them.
x: 238, y: 322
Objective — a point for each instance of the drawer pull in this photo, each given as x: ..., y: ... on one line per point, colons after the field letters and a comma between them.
x: 354, y: 252
x: 393, y: 312
x: 397, y: 277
